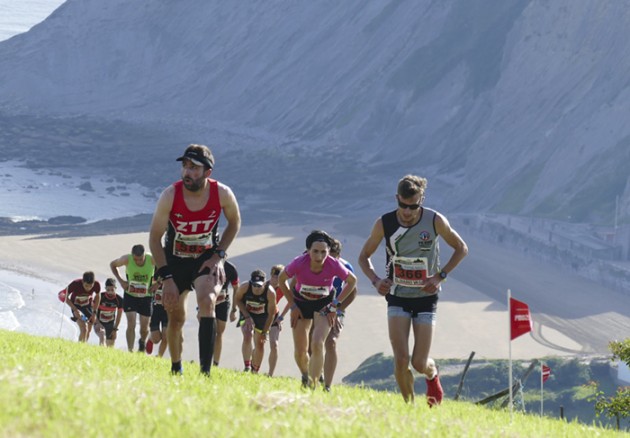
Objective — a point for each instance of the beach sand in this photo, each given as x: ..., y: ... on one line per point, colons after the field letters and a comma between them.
x: 468, y: 320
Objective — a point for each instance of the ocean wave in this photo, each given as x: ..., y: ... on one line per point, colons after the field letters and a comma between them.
x: 10, y: 298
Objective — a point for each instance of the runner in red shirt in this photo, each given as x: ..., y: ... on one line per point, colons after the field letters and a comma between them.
x: 83, y: 297
x: 188, y: 211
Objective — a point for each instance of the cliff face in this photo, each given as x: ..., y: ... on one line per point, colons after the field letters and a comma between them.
x: 512, y: 106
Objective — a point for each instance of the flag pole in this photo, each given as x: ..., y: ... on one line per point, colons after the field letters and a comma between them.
x: 509, y: 296
x: 542, y: 364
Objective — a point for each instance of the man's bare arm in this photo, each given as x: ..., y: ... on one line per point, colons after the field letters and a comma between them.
x: 159, y: 225
x: 232, y: 216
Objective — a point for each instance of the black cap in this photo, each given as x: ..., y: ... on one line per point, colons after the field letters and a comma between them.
x: 197, y: 157
x: 257, y: 278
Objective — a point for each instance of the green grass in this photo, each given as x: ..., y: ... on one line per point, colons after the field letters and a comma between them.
x: 51, y: 387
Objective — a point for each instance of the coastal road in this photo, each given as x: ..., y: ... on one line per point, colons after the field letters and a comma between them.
x: 590, y: 314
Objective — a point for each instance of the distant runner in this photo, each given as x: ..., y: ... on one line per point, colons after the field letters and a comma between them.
x: 83, y: 297
x: 223, y: 307
x: 256, y: 300
x: 109, y: 314
x: 137, y: 297
x: 276, y: 327
x: 247, y: 331
x: 159, y: 322
x: 330, y: 359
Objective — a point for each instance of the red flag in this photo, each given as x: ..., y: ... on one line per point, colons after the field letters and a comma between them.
x: 546, y: 372
x: 520, y: 319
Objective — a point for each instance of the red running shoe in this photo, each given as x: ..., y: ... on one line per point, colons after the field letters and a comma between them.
x: 435, y: 393
x: 149, y: 347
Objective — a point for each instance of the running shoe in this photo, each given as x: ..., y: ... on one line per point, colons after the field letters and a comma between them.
x: 305, y: 380
x: 140, y: 345
x: 247, y: 369
x: 435, y: 393
x: 177, y: 372
x: 149, y: 347
x: 326, y: 388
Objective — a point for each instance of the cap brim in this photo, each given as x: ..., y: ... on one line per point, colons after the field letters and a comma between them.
x: 192, y: 160
x: 257, y: 283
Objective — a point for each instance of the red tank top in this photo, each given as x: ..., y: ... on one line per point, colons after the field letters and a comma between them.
x: 191, y: 233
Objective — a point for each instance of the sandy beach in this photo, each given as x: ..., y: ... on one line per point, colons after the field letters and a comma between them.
x: 468, y: 320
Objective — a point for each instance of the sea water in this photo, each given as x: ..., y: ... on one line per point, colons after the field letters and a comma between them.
x: 30, y: 305
x: 42, y: 194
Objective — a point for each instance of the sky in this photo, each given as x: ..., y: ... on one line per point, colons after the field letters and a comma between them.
x: 18, y: 16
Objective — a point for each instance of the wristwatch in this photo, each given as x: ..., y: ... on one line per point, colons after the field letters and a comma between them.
x: 443, y: 275
x: 221, y: 253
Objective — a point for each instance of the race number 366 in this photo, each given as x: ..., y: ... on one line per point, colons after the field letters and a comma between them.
x: 410, y: 272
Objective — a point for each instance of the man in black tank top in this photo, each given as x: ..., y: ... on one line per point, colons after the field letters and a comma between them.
x: 412, y: 281
x: 256, y: 300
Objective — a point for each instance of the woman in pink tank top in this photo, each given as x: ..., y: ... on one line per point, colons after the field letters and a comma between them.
x: 312, y: 301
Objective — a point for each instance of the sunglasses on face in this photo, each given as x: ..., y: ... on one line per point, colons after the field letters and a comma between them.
x: 274, y: 272
x: 409, y: 206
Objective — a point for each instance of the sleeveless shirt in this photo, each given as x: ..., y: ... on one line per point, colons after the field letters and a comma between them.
x: 191, y: 233
x: 412, y: 253
x: 139, y: 277
x: 256, y: 305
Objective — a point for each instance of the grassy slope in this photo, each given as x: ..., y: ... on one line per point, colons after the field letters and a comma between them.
x: 52, y: 387
x: 568, y: 387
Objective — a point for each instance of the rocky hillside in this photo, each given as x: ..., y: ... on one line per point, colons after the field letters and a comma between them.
x: 509, y: 106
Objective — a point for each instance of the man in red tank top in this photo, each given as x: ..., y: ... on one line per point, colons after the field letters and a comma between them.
x: 188, y: 211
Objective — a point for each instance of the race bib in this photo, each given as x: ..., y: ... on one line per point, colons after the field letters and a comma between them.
x: 106, y: 316
x: 158, y: 296
x: 191, y: 246
x: 410, y: 271
x: 81, y: 300
x: 137, y: 289
x: 314, y: 292
x: 255, y: 308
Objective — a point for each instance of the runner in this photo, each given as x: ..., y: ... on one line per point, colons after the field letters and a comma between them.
x: 247, y: 330
x: 312, y: 302
x: 193, y: 255
x: 222, y: 306
x: 413, y: 278
x: 276, y: 327
x: 83, y: 297
x: 256, y: 300
x: 330, y: 359
x: 159, y: 321
x: 137, y: 297
x: 109, y: 314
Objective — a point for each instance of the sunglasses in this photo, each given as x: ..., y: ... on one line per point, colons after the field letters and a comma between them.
x: 275, y: 272
x: 409, y: 206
